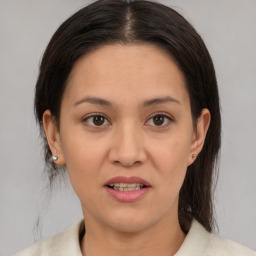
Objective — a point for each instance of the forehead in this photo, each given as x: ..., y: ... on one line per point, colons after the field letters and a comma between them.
x: 123, y: 71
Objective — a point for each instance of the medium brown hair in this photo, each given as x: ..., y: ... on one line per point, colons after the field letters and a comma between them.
x: 140, y: 22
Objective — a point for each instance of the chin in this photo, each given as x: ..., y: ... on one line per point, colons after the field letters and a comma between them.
x: 130, y: 227
x: 130, y: 222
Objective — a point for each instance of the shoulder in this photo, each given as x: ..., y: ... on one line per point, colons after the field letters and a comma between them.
x: 199, y: 242
x: 65, y: 244
x: 219, y: 246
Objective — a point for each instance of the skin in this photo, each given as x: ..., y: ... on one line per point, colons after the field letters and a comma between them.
x: 128, y: 142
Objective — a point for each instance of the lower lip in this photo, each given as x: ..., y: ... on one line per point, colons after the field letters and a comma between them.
x: 127, y: 196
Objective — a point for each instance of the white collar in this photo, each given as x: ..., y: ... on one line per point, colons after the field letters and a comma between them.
x: 68, y: 242
x: 195, y: 243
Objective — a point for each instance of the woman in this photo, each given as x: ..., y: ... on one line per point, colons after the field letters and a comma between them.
x: 127, y: 101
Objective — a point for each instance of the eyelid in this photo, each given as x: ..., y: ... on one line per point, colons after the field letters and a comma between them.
x: 85, y: 118
x: 170, y: 118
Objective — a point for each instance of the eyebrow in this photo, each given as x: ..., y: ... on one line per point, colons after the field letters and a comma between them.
x: 94, y: 100
x: 146, y: 103
x: 155, y: 101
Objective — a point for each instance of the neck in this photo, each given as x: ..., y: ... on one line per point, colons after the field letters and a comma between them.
x: 163, y: 239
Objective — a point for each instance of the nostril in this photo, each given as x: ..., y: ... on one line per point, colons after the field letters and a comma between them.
x: 127, y: 164
x: 127, y: 157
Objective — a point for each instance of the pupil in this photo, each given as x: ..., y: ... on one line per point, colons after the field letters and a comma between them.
x: 158, y: 120
x: 98, y: 120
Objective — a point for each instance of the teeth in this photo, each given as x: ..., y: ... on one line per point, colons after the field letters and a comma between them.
x: 126, y: 186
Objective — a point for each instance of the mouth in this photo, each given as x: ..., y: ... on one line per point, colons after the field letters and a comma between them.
x: 126, y: 186
x: 127, y: 189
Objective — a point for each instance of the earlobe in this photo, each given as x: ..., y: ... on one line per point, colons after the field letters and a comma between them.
x: 53, y: 138
x: 202, y: 125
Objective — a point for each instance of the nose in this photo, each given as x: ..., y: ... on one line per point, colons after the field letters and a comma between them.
x: 127, y: 147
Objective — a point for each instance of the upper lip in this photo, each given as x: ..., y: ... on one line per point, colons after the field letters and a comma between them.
x: 128, y: 180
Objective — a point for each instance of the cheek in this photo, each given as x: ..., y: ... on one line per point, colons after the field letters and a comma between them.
x: 83, y: 156
x: 172, y: 153
x: 170, y: 159
x: 80, y: 148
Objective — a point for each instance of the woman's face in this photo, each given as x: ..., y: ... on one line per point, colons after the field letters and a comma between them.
x: 126, y: 124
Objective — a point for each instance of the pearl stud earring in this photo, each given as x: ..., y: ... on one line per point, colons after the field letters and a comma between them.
x: 53, y: 158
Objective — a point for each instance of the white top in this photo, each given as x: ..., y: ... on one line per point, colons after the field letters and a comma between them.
x: 198, y: 242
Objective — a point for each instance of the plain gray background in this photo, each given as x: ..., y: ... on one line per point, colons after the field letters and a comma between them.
x: 229, y: 30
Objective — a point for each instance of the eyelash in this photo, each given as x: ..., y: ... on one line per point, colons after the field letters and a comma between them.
x: 169, y: 119
x: 92, y: 116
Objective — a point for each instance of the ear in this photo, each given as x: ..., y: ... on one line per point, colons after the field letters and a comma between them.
x: 200, y: 131
x: 53, y: 137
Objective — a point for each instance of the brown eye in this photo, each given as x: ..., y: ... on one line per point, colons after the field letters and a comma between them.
x: 160, y: 120
x: 96, y: 120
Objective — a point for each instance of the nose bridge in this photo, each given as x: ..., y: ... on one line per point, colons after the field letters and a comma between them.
x: 127, y: 148
x: 129, y: 136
